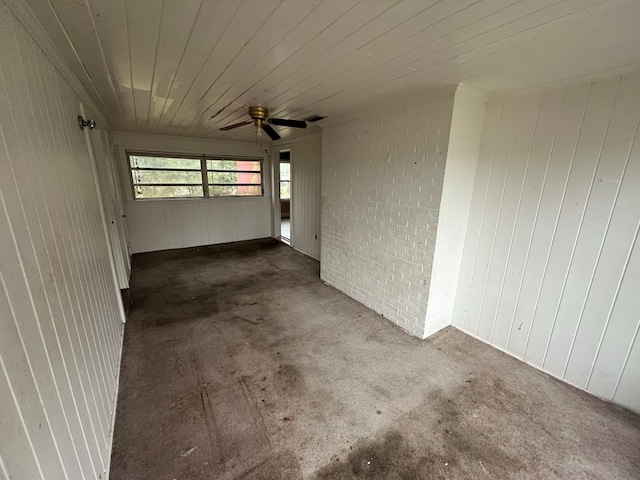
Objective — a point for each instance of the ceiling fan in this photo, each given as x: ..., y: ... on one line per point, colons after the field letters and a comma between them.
x: 260, y: 117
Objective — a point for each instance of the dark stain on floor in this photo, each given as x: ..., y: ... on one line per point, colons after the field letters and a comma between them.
x: 240, y: 363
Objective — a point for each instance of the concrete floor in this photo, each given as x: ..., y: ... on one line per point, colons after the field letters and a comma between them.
x: 240, y: 363
x: 285, y: 230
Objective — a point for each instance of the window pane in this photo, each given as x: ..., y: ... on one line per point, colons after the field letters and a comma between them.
x: 223, y: 177
x: 285, y: 171
x: 162, y: 162
x: 147, y: 191
x: 285, y: 190
x: 246, y: 165
x: 235, y: 190
x: 162, y: 176
x: 235, y: 177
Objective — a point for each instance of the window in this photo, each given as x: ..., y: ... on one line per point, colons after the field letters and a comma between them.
x: 184, y: 176
x: 234, y: 178
x: 166, y: 177
x: 285, y: 181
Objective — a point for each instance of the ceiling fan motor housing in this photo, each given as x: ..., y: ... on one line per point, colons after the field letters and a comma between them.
x: 258, y: 113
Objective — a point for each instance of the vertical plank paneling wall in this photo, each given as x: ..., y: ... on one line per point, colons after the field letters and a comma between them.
x: 305, y: 186
x: 60, y: 324
x: 551, y: 265
x: 306, y: 163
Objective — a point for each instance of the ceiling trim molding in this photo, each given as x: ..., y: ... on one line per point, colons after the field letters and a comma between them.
x: 120, y: 136
x: 472, y: 92
x: 300, y: 138
x: 627, y: 70
x: 25, y: 16
x: 391, y: 104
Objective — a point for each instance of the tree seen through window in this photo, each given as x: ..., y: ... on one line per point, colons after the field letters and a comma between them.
x: 193, y: 177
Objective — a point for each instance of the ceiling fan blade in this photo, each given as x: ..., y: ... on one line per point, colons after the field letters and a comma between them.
x: 285, y: 122
x: 236, y: 125
x: 271, y: 132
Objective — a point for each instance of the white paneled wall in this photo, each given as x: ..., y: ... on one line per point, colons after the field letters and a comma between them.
x: 60, y: 318
x: 382, y: 179
x: 305, y: 195
x: 462, y: 156
x: 306, y: 162
x: 165, y: 224
x: 551, y: 266
x: 113, y: 201
x: 179, y: 223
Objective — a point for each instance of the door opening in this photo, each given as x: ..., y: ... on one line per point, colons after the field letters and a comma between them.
x: 285, y: 195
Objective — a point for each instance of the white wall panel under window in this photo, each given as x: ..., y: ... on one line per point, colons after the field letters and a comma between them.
x: 60, y: 318
x: 178, y: 223
x: 551, y: 266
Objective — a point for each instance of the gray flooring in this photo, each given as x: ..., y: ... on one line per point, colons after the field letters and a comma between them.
x: 240, y: 363
x: 285, y: 230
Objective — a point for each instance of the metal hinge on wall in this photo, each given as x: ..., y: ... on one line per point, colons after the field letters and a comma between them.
x: 86, y: 123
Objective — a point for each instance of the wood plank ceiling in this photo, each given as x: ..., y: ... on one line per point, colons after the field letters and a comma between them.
x: 168, y: 66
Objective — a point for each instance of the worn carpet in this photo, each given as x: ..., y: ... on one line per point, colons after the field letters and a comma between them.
x: 240, y: 363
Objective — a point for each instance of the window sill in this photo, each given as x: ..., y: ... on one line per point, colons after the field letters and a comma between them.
x: 195, y: 199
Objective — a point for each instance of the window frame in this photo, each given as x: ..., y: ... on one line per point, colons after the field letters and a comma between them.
x: 204, y: 174
x: 280, y: 181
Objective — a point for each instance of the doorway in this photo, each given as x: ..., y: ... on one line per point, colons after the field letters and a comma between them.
x: 284, y: 189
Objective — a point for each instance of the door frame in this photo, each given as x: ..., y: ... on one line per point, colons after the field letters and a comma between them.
x: 276, y: 218
x: 105, y: 207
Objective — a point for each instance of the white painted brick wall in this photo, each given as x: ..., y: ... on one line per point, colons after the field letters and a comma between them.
x: 382, y: 181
